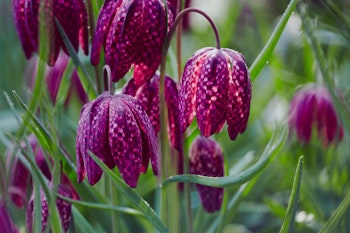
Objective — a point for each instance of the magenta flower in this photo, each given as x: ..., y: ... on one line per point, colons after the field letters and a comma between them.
x: 133, y: 33
x: 6, y: 224
x: 64, y: 210
x: 206, y: 159
x: 71, y: 14
x: 117, y: 130
x: 215, y: 87
x: 312, y: 105
x: 148, y: 95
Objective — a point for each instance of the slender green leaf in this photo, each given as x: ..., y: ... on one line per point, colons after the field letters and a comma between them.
x: 84, y: 76
x: 42, y: 130
x: 81, y: 222
x: 338, y: 214
x: 288, y: 221
x: 266, y: 52
x: 120, y: 209
x: 275, y: 144
x: 136, y: 199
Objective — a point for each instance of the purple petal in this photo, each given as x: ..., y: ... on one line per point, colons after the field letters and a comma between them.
x: 239, y: 94
x: 150, y: 38
x: 98, y: 136
x: 19, y: 181
x: 6, y: 225
x: 83, y: 30
x: 19, y: 13
x: 172, y: 102
x: 305, y: 114
x: 106, y: 15
x: 119, y: 55
x: 149, y: 149
x: 211, y: 96
x: 206, y: 159
x: 188, y: 88
x: 125, y: 141
x: 82, y: 139
x: 68, y: 14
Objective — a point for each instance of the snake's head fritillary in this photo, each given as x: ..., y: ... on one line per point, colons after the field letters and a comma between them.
x: 71, y: 15
x: 206, y: 159
x: 133, y: 34
x: 148, y: 95
x: 215, y: 87
x: 118, y: 131
x: 313, y: 105
x: 64, y: 209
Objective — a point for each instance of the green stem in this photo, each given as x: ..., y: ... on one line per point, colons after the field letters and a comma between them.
x: 92, y: 32
x: 114, y: 199
x: 164, y: 144
x: 108, y: 79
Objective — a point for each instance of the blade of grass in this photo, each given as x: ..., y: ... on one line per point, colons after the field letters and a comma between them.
x: 120, y: 209
x: 84, y: 76
x: 275, y: 144
x: 266, y: 52
x: 338, y: 214
x: 137, y: 200
x: 288, y: 221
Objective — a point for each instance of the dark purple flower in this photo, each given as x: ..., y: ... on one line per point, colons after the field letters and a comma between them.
x: 148, y: 95
x: 312, y: 105
x: 20, y: 177
x: 6, y: 224
x: 133, y: 33
x: 206, y: 159
x: 118, y: 131
x: 54, y: 77
x: 64, y: 210
x: 71, y: 14
x: 216, y: 87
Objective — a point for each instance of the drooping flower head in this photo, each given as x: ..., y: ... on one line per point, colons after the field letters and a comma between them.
x: 118, y: 131
x: 71, y: 15
x: 64, y: 210
x: 216, y: 87
x: 133, y: 33
x: 206, y: 159
x: 148, y: 95
x: 312, y: 106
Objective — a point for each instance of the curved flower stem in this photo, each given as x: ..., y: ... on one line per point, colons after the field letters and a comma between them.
x: 108, y: 79
x: 164, y: 144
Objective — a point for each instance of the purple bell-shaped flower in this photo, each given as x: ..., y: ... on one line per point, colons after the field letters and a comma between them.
x: 133, y: 33
x: 71, y: 14
x: 216, y: 87
x: 312, y: 106
x: 206, y: 159
x: 118, y: 131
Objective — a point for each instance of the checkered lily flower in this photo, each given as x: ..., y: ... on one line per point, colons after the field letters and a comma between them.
x: 133, y: 33
x: 312, y: 106
x: 148, y: 95
x: 71, y: 14
x: 64, y: 210
x: 118, y: 131
x: 206, y: 159
x: 215, y: 87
